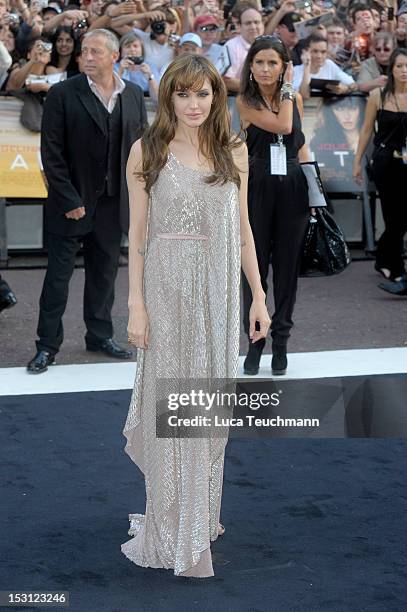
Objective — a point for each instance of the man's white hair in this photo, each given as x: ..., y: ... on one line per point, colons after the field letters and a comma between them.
x: 112, y: 42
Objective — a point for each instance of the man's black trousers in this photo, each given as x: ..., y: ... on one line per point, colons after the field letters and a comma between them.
x: 101, y: 250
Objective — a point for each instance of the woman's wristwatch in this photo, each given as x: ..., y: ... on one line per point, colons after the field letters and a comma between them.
x: 151, y: 77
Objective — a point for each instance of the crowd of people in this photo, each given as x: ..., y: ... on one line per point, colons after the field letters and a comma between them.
x: 345, y: 41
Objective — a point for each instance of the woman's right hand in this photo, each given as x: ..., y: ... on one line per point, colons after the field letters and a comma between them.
x: 126, y: 64
x: 357, y: 172
x: 138, y: 328
x: 289, y: 73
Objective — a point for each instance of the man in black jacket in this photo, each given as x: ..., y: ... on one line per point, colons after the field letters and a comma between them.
x: 89, y: 125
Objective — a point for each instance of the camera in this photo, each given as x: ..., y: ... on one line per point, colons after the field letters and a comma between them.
x: 158, y: 27
x: 231, y: 27
x: 267, y: 10
x: 81, y: 24
x: 135, y: 59
x: 45, y: 47
x: 35, y: 78
x: 173, y: 39
x: 303, y: 4
x: 13, y: 18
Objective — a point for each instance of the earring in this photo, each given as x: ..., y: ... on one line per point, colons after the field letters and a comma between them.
x: 280, y: 79
x: 251, y: 76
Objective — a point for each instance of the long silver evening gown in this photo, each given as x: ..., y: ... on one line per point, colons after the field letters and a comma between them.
x: 191, y: 292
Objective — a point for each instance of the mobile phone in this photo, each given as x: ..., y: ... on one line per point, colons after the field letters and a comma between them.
x: 390, y: 13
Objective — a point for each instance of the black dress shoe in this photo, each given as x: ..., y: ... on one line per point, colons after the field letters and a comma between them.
x: 7, y: 300
x: 279, y: 360
x: 252, y: 361
x: 40, y: 362
x: 110, y: 348
x: 399, y: 288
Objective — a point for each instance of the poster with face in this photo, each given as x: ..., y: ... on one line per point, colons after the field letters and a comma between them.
x: 331, y: 127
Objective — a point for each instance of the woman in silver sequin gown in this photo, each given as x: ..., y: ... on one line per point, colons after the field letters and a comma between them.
x: 189, y: 234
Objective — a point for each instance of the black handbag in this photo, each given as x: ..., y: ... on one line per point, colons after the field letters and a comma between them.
x: 325, y: 250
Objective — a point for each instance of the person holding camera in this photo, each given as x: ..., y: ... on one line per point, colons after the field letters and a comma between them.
x: 133, y: 67
x: 90, y: 123
x: 38, y: 58
x: 158, y: 49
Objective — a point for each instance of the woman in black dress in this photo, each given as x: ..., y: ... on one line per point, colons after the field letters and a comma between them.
x: 278, y: 201
x: 389, y: 162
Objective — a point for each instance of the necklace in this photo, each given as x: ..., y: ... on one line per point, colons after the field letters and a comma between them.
x: 268, y: 106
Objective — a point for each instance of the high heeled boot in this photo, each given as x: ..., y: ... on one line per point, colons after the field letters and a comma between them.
x: 279, y: 360
x: 252, y: 361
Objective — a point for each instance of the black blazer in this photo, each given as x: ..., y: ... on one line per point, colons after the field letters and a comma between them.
x: 73, y: 150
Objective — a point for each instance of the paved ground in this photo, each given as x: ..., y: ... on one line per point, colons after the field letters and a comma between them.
x: 342, y: 312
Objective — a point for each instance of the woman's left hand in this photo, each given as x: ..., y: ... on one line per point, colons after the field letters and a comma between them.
x: 258, y: 314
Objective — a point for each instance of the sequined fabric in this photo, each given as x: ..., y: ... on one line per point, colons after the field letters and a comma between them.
x: 191, y: 290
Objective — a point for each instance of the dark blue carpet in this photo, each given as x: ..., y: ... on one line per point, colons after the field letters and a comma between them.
x: 311, y: 524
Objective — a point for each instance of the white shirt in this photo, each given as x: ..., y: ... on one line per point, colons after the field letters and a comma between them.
x: 154, y: 52
x: 328, y: 71
x: 111, y: 103
x: 238, y: 49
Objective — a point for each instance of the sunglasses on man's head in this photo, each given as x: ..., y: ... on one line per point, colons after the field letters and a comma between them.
x: 268, y: 37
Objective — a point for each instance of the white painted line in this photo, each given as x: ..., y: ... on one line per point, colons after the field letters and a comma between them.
x: 117, y: 376
x: 68, y: 379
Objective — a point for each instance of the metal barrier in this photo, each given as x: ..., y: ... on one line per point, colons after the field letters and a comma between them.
x: 330, y: 142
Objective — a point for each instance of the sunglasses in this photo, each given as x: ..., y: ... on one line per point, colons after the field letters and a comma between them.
x: 383, y: 49
x: 209, y: 28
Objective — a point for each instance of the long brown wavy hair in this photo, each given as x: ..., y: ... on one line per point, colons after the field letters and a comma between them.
x: 185, y: 73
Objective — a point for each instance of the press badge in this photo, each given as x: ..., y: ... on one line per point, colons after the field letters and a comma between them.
x: 278, y: 158
x: 404, y: 153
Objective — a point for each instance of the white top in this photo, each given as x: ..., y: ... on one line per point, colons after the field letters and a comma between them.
x: 155, y: 53
x: 328, y: 71
x: 238, y: 49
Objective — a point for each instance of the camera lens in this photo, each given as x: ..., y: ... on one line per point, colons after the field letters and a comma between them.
x: 158, y: 27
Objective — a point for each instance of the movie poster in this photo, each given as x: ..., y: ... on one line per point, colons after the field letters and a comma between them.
x: 20, y: 161
x: 331, y: 127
